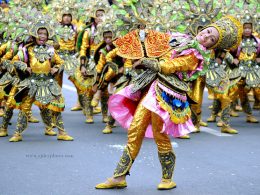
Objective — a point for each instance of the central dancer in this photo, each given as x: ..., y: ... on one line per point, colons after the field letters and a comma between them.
x: 158, y: 97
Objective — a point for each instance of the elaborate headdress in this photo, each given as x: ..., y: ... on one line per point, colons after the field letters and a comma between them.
x: 156, y: 14
x: 3, y: 21
x: 163, y: 16
x: 38, y: 4
x: 108, y: 24
x: 93, y: 6
x: 10, y: 23
x: 230, y: 32
x: 248, y: 12
x: 197, y: 14
x: 31, y: 20
x: 62, y: 7
x: 201, y: 14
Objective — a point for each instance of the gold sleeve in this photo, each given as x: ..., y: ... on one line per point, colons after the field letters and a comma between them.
x: 182, y: 63
x: 109, y: 74
x: 128, y: 64
x: 57, y: 60
x: 67, y: 45
x: 2, y: 49
x: 16, y: 58
x: 101, y: 63
x: 8, y: 55
x: 85, y: 44
x: 111, y: 55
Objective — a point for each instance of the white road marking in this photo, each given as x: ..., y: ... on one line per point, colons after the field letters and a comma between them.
x: 122, y: 147
x: 175, y: 144
x: 214, y: 132
x: 117, y: 146
x: 68, y: 87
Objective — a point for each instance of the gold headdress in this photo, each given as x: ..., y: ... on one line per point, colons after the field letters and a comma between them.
x: 93, y: 6
x: 38, y: 4
x: 163, y: 16
x: 230, y: 32
x: 248, y: 12
x: 70, y: 7
x: 108, y: 24
x: 195, y: 15
x: 201, y: 15
x: 3, y: 21
x: 32, y: 20
x: 154, y: 14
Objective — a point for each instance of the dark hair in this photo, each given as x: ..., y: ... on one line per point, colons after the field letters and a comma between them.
x: 107, y: 32
x: 248, y: 23
x: 99, y: 10
x: 67, y: 15
x: 42, y: 28
x: 139, y: 25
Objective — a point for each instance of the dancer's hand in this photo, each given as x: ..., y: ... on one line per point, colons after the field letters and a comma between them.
x: 83, y: 71
x: 137, y: 63
x: 236, y: 61
x: 94, y: 88
x: 54, y: 70
x: 29, y: 70
x: 121, y: 70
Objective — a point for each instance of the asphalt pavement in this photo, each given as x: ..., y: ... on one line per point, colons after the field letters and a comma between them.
x: 210, y: 163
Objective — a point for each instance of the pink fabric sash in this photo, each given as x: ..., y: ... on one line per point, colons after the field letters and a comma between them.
x: 122, y: 107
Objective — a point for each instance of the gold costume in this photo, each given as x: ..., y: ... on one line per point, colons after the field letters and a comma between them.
x: 67, y: 48
x: 250, y: 73
x: 221, y: 79
x: 43, y: 90
x: 136, y: 132
x: 142, y: 116
x: 88, y: 49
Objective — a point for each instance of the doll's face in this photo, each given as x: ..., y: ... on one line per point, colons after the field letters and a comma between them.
x: 108, y: 37
x: 247, y: 30
x: 99, y: 15
x: 208, y: 37
x: 42, y: 36
x: 66, y: 19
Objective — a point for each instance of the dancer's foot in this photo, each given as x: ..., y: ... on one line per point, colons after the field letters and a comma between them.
x: 166, y: 184
x: 111, y: 183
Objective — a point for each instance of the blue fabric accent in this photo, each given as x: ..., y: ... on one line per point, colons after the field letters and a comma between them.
x: 185, y: 104
x: 177, y: 103
x: 165, y: 97
x: 174, y: 102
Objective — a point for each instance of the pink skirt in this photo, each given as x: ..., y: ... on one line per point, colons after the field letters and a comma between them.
x: 123, y: 104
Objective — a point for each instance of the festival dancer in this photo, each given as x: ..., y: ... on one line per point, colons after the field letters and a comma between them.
x: 68, y: 13
x: 9, y: 79
x: 222, y: 78
x: 88, y: 45
x: 197, y: 17
x: 111, y: 68
x: 247, y: 58
x: 161, y: 102
x: 41, y: 62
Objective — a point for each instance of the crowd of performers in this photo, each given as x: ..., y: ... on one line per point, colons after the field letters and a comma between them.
x: 134, y: 50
